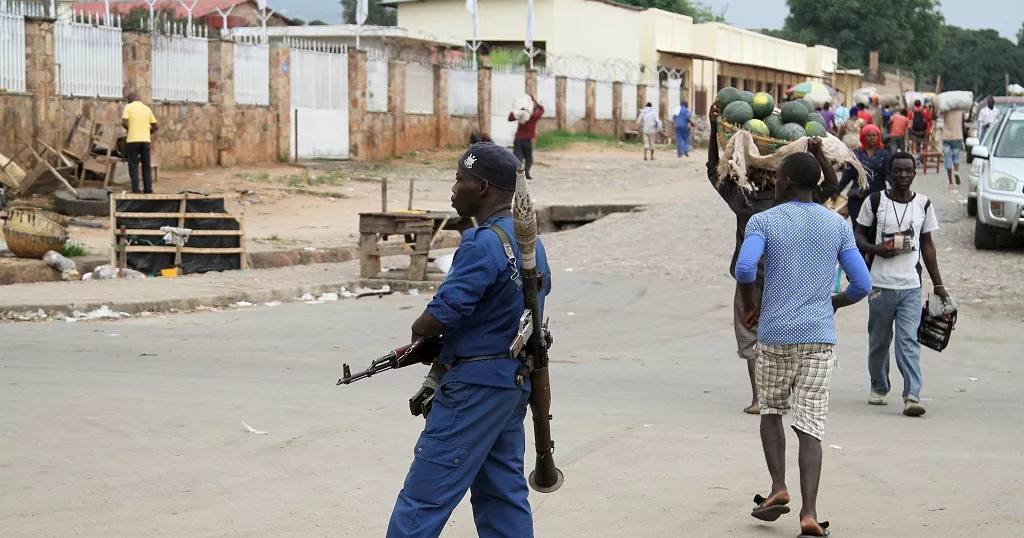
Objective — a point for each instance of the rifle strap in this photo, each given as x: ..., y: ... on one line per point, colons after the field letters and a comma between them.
x: 510, y: 253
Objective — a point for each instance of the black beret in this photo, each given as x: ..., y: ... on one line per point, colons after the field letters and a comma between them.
x: 492, y: 163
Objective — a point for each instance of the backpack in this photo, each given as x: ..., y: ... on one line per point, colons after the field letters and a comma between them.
x: 920, y: 124
x: 876, y: 200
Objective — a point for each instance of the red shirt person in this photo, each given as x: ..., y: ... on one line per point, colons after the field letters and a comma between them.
x: 522, y: 146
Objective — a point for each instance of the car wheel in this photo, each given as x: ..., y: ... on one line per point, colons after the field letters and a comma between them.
x: 972, y: 207
x: 985, y: 238
x: 94, y: 202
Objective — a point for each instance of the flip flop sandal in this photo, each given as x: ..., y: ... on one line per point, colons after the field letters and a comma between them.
x: 748, y: 411
x: 824, y: 527
x: 768, y: 513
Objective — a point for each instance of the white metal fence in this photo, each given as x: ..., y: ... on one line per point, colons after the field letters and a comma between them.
x: 419, y: 88
x: 12, y: 49
x: 463, y: 94
x: 547, y: 94
x: 181, y: 65
x: 675, y: 86
x: 252, y: 73
x: 603, y: 104
x: 376, y: 81
x: 507, y: 85
x: 319, y: 74
x: 575, y: 100
x: 629, y: 111
x: 88, y: 56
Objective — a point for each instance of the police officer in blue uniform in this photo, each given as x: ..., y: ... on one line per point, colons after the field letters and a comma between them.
x: 474, y: 437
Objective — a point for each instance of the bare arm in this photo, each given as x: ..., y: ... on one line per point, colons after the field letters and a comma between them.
x: 124, y: 123
x: 931, y: 263
x: 426, y: 326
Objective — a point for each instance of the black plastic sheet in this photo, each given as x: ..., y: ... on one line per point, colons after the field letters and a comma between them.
x: 153, y: 262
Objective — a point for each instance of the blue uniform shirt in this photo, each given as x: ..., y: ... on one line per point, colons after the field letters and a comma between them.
x: 480, y: 306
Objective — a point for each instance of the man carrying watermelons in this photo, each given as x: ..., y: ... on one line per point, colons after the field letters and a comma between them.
x: 745, y: 204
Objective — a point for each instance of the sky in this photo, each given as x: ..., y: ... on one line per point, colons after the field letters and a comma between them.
x: 1005, y: 16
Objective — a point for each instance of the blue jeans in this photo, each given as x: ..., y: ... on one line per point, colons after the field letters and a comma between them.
x: 474, y: 439
x: 951, y: 152
x: 902, y: 308
x: 682, y: 141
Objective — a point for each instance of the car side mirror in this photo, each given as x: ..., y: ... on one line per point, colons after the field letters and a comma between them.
x: 972, y: 141
x: 979, y: 152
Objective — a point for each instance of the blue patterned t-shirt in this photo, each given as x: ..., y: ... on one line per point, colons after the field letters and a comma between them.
x: 801, y: 244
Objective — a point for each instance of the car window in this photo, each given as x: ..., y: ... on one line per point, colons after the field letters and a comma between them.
x: 1011, y: 141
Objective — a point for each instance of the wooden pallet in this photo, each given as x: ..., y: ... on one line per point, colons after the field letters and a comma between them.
x: 182, y: 215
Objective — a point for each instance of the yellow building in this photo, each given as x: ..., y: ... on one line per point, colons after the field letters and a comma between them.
x: 604, y: 39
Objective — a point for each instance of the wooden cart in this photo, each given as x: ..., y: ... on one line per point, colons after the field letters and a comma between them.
x: 422, y: 227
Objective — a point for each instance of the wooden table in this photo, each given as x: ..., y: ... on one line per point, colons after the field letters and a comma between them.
x: 420, y: 228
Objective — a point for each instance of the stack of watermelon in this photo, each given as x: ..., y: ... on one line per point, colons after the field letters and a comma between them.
x: 756, y: 113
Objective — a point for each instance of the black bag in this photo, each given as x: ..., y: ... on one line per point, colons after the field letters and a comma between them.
x: 919, y: 125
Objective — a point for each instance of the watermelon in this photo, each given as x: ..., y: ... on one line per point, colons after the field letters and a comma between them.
x: 747, y: 97
x: 757, y: 127
x: 726, y: 96
x: 738, y: 113
x: 791, y: 131
x: 794, y: 112
x: 814, y: 128
x: 807, y: 104
x: 763, y: 105
x: 774, y: 123
x: 816, y: 117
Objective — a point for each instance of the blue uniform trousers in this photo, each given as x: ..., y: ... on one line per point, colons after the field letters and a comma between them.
x: 474, y: 439
x: 682, y: 141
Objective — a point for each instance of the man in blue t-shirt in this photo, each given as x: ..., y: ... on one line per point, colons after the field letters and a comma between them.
x: 801, y: 242
x: 683, y: 120
x: 474, y: 437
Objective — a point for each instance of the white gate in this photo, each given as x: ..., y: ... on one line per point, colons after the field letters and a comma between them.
x: 507, y: 85
x: 319, y: 93
x: 12, y: 50
x: 88, y: 56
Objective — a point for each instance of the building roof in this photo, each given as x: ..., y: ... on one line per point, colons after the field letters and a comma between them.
x: 349, y: 30
x: 202, y: 8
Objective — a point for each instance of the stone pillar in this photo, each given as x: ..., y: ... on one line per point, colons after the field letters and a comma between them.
x: 619, y: 124
x: 641, y: 98
x: 40, y: 81
x: 560, y: 111
x: 357, y: 104
x: 483, y: 99
x: 531, y: 82
x: 136, y: 53
x: 591, y: 104
x: 281, y: 100
x: 222, y: 98
x: 396, y: 103
x: 441, y: 104
x: 663, y: 103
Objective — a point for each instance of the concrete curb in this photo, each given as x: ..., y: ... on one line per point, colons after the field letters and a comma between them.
x: 183, y: 304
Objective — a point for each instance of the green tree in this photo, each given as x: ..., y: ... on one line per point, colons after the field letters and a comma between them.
x: 319, y: 22
x: 975, y: 60
x: 297, y: 21
x: 905, y: 32
x: 1020, y: 35
x: 378, y: 15
x: 138, y: 18
x: 699, y: 11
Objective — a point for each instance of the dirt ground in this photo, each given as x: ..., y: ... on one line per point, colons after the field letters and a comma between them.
x: 318, y: 204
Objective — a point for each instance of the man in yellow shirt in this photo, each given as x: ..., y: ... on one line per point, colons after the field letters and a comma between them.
x: 141, y: 124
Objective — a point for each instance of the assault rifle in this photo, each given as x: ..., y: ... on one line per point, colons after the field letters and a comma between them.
x: 422, y: 350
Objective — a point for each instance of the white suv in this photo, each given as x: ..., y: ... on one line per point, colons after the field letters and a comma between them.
x: 997, y: 177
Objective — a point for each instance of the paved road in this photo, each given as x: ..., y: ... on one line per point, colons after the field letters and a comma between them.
x: 134, y: 428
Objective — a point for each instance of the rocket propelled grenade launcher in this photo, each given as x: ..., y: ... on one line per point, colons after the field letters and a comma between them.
x: 546, y: 477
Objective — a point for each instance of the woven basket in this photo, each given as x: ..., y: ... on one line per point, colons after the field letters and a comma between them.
x: 59, y: 219
x: 765, y: 144
x: 29, y: 235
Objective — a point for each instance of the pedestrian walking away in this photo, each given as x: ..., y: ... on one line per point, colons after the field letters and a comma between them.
x: 141, y: 124
x: 954, y: 125
x: 522, y: 145
x: 684, y: 122
x: 801, y: 241
x: 649, y: 125
x: 920, y: 126
x: 744, y: 204
x: 894, y: 231
x: 898, y: 128
x: 474, y: 437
